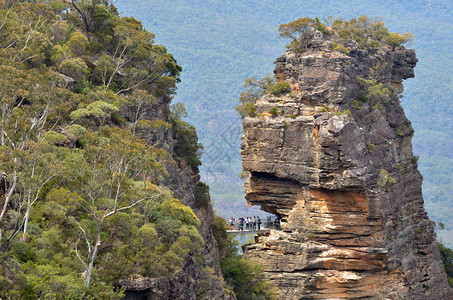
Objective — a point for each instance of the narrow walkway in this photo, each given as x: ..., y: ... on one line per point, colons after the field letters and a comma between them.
x: 264, y: 230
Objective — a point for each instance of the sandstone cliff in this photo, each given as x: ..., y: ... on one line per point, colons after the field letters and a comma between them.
x: 334, y: 160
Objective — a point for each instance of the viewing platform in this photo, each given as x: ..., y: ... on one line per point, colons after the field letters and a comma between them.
x: 266, y: 227
x: 243, y: 232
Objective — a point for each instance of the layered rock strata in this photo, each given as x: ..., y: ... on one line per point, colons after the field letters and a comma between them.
x: 334, y: 160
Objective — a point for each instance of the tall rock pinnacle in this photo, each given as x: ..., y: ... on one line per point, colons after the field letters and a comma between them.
x: 333, y: 158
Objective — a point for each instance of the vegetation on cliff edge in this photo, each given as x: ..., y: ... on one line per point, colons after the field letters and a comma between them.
x: 447, y: 258
x: 366, y: 32
x: 243, y: 276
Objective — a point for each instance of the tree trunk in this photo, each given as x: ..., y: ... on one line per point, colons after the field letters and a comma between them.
x: 8, y: 195
x: 26, y: 217
x: 93, y: 257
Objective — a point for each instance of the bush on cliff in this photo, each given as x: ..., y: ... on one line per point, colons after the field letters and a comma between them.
x: 242, y: 275
x: 279, y: 88
x: 447, y: 258
x: 368, y: 33
x: 253, y: 90
x: 219, y: 227
x: 185, y: 135
x: 299, y: 31
x: 257, y: 88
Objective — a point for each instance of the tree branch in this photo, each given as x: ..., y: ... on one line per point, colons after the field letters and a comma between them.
x: 127, y: 207
x: 77, y: 253
x: 85, y: 236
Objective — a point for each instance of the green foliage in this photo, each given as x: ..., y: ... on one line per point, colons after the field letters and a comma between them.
x: 90, y: 43
x: 373, y: 91
x: 346, y: 112
x: 87, y: 205
x: 98, y: 111
x: 76, y: 131
x: 279, y: 88
x: 322, y: 27
x: 385, y: 180
x: 356, y: 103
x: 394, y: 39
x: 368, y: 33
x: 59, y: 54
x: 254, y: 89
x: 22, y: 251
x: 376, y: 94
x: 202, y: 198
x: 219, y: 228
x: 339, y: 47
x: 187, y: 146
x: 299, y: 32
x: 77, y: 43
x: 370, y: 147
x: 446, y: 255
x: 273, y: 111
x: 75, y: 68
x: 247, y: 109
x: 53, y: 137
x: 244, y: 276
x: 175, y: 209
x: 151, y: 238
x: 156, y: 249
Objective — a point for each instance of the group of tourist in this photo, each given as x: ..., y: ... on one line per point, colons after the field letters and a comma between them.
x: 249, y: 223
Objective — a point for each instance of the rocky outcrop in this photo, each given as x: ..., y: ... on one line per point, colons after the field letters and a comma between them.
x: 189, y: 284
x: 336, y: 164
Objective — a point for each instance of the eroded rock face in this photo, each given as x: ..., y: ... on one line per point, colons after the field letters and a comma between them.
x: 341, y: 174
x: 189, y: 284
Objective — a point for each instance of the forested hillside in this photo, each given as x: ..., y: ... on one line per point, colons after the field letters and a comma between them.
x: 221, y: 43
x: 90, y: 153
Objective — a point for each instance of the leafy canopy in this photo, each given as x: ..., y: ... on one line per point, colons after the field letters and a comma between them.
x: 367, y: 32
x: 82, y: 138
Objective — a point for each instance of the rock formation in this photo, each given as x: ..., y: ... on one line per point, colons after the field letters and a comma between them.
x: 334, y: 160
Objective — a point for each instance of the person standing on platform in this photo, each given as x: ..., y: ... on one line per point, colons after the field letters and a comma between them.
x: 277, y: 223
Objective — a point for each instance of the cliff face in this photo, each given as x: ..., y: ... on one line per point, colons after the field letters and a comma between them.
x: 335, y: 163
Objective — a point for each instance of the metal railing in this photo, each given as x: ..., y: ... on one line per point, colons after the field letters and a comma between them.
x: 266, y: 225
